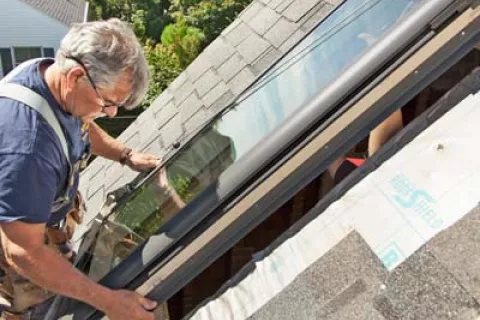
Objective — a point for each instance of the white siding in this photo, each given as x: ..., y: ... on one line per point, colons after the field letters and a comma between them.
x: 22, y: 25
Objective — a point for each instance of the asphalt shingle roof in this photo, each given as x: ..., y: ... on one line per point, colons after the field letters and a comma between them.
x: 65, y: 11
x: 439, y: 281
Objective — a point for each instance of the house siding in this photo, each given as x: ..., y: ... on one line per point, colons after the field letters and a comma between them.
x: 22, y: 25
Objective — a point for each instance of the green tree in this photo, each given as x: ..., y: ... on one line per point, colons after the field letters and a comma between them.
x: 185, y: 41
x: 164, y: 68
x: 210, y: 16
x: 148, y: 17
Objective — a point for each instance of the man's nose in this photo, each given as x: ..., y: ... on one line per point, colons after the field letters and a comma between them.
x: 111, y: 111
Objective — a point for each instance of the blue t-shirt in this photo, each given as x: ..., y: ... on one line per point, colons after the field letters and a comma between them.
x: 33, y: 167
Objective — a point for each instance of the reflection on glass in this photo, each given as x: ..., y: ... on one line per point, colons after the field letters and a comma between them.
x: 321, y: 57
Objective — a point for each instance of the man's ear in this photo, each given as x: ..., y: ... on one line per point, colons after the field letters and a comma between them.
x: 73, y: 77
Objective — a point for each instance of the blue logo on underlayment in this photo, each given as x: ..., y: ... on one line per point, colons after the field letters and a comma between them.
x: 391, y: 256
x: 416, y: 201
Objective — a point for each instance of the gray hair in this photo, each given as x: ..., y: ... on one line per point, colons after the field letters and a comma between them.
x: 108, y: 49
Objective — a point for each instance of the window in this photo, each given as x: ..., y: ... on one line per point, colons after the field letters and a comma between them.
x: 48, y: 52
x: 336, y: 44
x: 23, y: 54
x: 6, y: 60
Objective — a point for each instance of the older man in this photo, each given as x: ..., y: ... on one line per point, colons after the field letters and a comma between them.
x: 99, y: 68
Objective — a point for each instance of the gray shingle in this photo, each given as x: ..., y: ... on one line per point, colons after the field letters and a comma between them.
x: 316, y: 15
x: 232, y: 67
x: 334, y: 2
x: 299, y: 8
x: 120, y: 177
x: 129, y: 132
x: 67, y: 12
x: 156, y: 148
x: 198, y: 67
x: 128, y: 175
x: 292, y: 41
x: 147, y: 139
x: 283, y: 5
x: 458, y: 249
x: 251, y: 11
x: 165, y: 97
x: 206, y: 82
x: 252, y: 47
x: 84, y: 183
x: 275, y: 3
x: 189, y: 107
x: 178, y: 82
x: 264, y: 20
x: 421, y: 288
x: 239, y: 33
x: 222, y: 102
x: 353, y: 303
x: 95, y: 202
x: 214, y: 94
x: 147, y: 120
x: 134, y: 139
x: 280, y: 32
x: 97, y: 181
x: 112, y: 174
x: 183, y: 92
x: 231, y: 27
x: 172, y: 131
x: 348, y: 270
x: 266, y: 60
x: 96, y: 166
x: 219, y: 51
x: 164, y: 114
x: 241, y: 81
x: 114, y: 183
x: 197, y: 120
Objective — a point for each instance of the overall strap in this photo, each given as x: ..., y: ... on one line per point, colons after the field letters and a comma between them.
x: 37, y: 102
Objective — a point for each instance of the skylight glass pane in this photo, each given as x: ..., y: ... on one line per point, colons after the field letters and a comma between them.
x: 335, y: 44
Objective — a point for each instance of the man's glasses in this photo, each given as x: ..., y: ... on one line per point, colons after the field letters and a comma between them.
x: 105, y: 103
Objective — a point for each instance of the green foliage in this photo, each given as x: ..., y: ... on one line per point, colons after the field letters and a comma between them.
x: 181, y: 185
x: 164, y: 68
x: 148, y: 17
x: 210, y: 16
x: 185, y: 41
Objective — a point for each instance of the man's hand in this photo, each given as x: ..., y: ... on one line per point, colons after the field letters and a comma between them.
x: 143, y: 161
x: 129, y: 305
x: 26, y: 253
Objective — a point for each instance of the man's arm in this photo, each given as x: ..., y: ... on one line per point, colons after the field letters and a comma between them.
x: 384, y: 132
x: 25, y: 251
x: 102, y: 144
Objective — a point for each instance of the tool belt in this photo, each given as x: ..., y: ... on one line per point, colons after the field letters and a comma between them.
x: 18, y: 294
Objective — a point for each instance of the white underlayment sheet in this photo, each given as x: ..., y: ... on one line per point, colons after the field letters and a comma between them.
x: 426, y: 187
